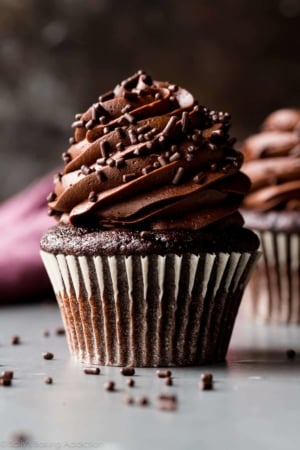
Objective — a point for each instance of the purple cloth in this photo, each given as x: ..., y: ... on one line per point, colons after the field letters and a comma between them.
x: 23, y: 219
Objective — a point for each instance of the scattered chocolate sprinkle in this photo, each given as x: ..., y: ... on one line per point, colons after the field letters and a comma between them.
x: 143, y: 129
x: 103, y: 120
x: 216, y: 134
x: 206, y: 383
x: 162, y: 161
x: 5, y: 381
x: 109, y: 386
x: 211, y: 147
x: 130, y: 82
x: 170, y: 126
x: 145, y: 234
x: 185, y: 122
x: 72, y: 140
x: 20, y: 439
x: 162, y: 140
x: 126, y: 109
x: 127, y: 371
x: 167, y: 402
x: 15, y: 340
x: 48, y: 380
x: 101, y: 161
x: 137, y: 152
x: 141, y: 138
x: 104, y: 148
x: 132, y: 136
x: 8, y: 374
x: 169, y: 381
x: 199, y: 178
x: 100, y: 175
x: 51, y: 197
x: 120, y: 162
x: 92, y: 370
x: 157, y: 96
x: 143, y: 401
x: 90, y: 124
x: 129, y: 117
x: 172, y: 98
x: 120, y: 132
x: 93, y: 197
x: 175, y: 157
x: 131, y: 96
x: 213, y: 167
x: 78, y: 124
x: 147, y: 79
x: 129, y: 400
x: 66, y: 157
x: 46, y: 333
x: 191, y: 149
x: 48, y: 355
x: 60, y: 331
x: 196, y: 137
x: 106, y: 130
x: 162, y: 373
x: 111, y: 162
x: 189, y: 157
x: 51, y: 212
x: 107, y: 96
x: 128, y: 177
x: 147, y: 169
x: 120, y: 146
x: 226, y: 168
x: 85, y: 170
x: 291, y: 354
x: 78, y: 116
x: 156, y: 165
x: 57, y: 178
x: 178, y: 176
x: 130, y: 382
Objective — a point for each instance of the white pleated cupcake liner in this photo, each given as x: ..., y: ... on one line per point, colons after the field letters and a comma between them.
x: 273, y: 294
x: 150, y: 311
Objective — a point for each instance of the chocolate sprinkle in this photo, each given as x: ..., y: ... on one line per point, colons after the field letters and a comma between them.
x: 185, y: 122
x: 92, y: 197
x: 129, y: 400
x: 8, y: 374
x: 130, y: 382
x: 78, y: 124
x: 60, y: 331
x: 178, y: 176
x: 132, y: 136
x: 170, y: 126
x: 107, y: 96
x: 175, y: 157
x: 199, y: 178
x: 109, y: 386
x: 91, y: 370
x: 129, y: 117
x: 127, y: 371
x: 48, y: 355
x: 51, y: 197
x: 126, y: 109
x: 15, y: 340
x: 104, y: 148
x: 291, y: 354
x: 143, y: 401
x: 169, y: 381
x: 128, y: 177
x: 48, y: 380
x: 161, y: 373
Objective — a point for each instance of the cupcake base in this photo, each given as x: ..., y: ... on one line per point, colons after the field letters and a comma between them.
x: 151, y: 310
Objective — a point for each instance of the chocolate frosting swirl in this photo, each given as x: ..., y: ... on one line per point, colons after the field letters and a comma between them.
x: 273, y: 163
x: 148, y: 156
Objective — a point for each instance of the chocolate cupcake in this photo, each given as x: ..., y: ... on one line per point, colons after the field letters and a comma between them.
x: 272, y: 208
x: 149, y: 259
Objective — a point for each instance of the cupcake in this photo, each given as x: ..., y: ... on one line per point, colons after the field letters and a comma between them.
x: 149, y: 258
x: 272, y: 208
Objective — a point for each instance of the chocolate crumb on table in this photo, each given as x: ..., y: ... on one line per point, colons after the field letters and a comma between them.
x: 167, y: 402
x: 143, y: 401
x: 60, y: 331
x: 206, y: 381
x: 20, y: 439
x: 48, y: 380
x: 130, y: 382
x: 129, y: 400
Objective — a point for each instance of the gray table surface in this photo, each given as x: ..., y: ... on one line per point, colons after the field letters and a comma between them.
x: 255, y: 403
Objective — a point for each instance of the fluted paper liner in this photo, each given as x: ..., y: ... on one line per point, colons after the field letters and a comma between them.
x: 149, y: 311
x: 273, y: 294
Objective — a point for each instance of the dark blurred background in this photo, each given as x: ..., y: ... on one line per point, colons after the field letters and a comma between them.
x: 57, y: 56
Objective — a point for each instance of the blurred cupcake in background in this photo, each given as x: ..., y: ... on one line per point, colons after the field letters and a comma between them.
x: 272, y: 209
